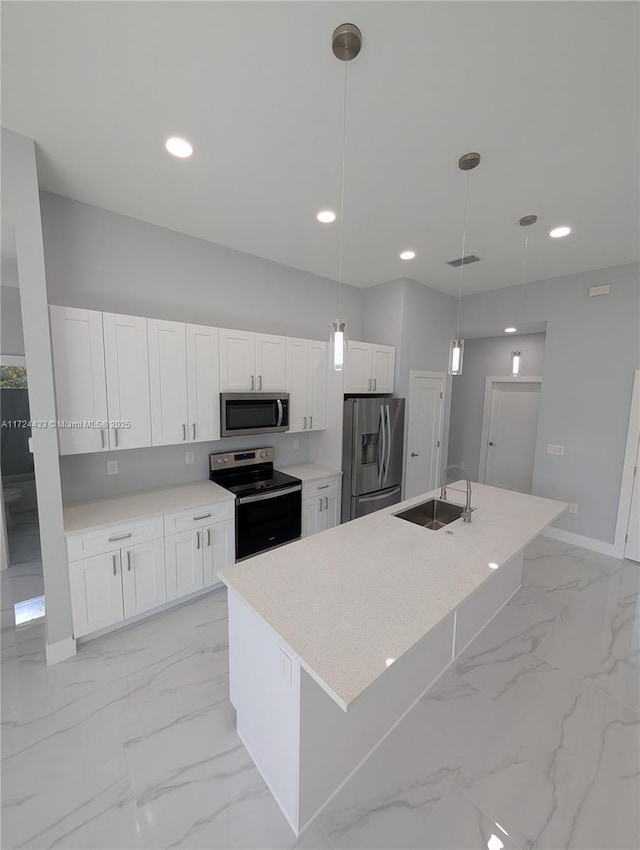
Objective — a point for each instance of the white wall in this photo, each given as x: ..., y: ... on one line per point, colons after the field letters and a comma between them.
x: 592, y: 350
x: 103, y: 261
x: 484, y: 358
x: 20, y: 208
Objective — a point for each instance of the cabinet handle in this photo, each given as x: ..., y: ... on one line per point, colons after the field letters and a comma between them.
x: 197, y: 539
x: 259, y: 382
x: 323, y: 487
x: 304, y: 427
x: 326, y: 503
x: 115, y: 564
x: 320, y: 505
x: 369, y: 385
x: 202, y: 516
x: 253, y: 383
x: 375, y: 384
x: 119, y: 537
x: 102, y: 437
x: 208, y: 537
x: 129, y: 560
x: 115, y: 434
x: 184, y: 432
x: 311, y: 422
x: 194, y: 430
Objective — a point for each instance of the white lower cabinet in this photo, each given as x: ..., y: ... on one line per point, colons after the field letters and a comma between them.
x: 320, y: 505
x: 193, y: 558
x: 143, y: 577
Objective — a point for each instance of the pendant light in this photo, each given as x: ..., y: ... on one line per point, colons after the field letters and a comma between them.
x: 516, y: 355
x: 467, y: 163
x: 345, y: 43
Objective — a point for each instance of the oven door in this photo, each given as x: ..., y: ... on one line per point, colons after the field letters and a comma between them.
x: 253, y: 413
x: 267, y: 519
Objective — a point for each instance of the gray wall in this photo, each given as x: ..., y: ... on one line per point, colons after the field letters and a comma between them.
x: 99, y: 260
x: 592, y: 349
x: 20, y: 208
x: 484, y: 358
x: 11, y: 337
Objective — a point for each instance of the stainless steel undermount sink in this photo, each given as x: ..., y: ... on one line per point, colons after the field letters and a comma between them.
x: 434, y: 514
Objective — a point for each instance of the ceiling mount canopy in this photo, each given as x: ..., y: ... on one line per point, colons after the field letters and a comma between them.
x: 346, y: 42
x: 469, y: 161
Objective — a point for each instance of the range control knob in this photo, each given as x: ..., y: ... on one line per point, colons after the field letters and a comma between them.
x: 219, y: 460
x: 263, y: 454
x: 226, y: 459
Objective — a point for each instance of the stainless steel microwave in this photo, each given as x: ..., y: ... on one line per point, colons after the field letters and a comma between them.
x: 253, y: 413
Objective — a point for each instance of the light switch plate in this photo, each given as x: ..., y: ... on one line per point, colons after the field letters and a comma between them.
x: 296, y: 445
x: 112, y: 467
x: 573, y: 508
x: 189, y: 457
x: 555, y: 450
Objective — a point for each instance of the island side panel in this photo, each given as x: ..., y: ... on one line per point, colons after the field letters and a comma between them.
x: 485, y: 602
x: 264, y: 686
x: 333, y: 743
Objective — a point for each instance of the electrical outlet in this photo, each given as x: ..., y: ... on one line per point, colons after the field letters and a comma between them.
x: 573, y: 508
x: 189, y: 457
x: 285, y: 668
x: 112, y: 467
x: 296, y: 445
x: 555, y: 450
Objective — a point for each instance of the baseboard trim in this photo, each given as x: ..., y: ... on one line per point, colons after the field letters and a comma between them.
x: 60, y: 651
x: 584, y: 542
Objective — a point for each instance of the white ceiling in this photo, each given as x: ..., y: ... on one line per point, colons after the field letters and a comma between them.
x: 546, y: 92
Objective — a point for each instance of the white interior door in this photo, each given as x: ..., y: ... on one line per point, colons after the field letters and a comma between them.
x: 424, y: 437
x: 512, y: 429
x: 632, y: 544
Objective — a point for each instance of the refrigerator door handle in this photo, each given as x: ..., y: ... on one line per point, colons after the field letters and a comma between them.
x: 388, y: 461
x: 380, y: 496
x: 382, y: 448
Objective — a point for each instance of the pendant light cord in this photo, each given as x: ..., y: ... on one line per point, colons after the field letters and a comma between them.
x: 464, y: 242
x: 344, y: 147
x: 524, y: 269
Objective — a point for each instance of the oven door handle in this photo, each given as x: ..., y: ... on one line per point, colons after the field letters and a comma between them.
x: 245, y: 500
x: 280, y: 412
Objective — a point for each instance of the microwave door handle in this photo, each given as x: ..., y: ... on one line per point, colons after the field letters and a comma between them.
x: 280, y: 412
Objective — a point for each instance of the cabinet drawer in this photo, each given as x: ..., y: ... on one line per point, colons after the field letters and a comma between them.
x: 198, y: 517
x: 321, y: 487
x: 114, y: 537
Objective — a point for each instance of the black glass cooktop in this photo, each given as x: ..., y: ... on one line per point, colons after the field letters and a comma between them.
x: 245, y: 483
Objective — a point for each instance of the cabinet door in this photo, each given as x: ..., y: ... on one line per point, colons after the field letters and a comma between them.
x: 331, y: 509
x: 237, y: 361
x: 168, y: 382
x: 271, y: 360
x: 312, y: 515
x: 203, y: 380
x: 183, y: 561
x: 95, y: 585
x: 218, y: 550
x: 143, y: 577
x: 357, y: 378
x: 383, y: 364
x: 317, y: 404
x: 78, y: 365
x: 298, y: 383
x: 127, y: 370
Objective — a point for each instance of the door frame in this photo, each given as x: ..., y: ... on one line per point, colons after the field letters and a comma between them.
x: 7, y: 360
x: 442, y: 377
x: 489, y: 386
x: 630, y: 460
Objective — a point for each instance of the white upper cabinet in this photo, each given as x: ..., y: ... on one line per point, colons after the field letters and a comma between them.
x: 81, y: 392
x: 307, y: 384
x: 168, y: 382
x: 251, y: 362
x: 369, y: 368
x: 127, y: 369
x: 203, y: 383
x: 237, y: 361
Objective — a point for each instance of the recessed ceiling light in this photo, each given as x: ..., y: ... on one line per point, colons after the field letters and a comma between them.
x: 510, y: 330
x: 559, y: 232
x: 178, y: 147
x: 407, y: 255
x: 326, y: 216
x: 493, y: 565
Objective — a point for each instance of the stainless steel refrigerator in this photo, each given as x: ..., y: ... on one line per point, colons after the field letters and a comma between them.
x: 373, y: 433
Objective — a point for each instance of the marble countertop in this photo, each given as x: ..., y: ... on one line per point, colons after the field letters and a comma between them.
x: 91, y: 515
x: 346, y: 600
x: 307, y: 472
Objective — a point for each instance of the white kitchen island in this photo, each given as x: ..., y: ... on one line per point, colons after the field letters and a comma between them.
x: 333, y: 638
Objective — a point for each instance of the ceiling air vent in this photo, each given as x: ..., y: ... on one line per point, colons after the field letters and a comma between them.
x: 463, y: 261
